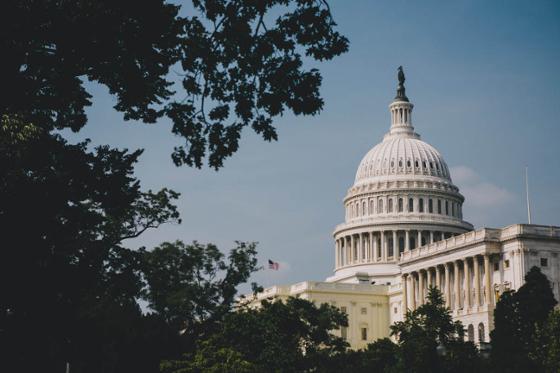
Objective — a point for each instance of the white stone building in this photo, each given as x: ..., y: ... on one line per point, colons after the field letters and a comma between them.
x: 404, y: 231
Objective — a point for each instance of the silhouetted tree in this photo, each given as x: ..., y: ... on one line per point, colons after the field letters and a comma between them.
x: 235, y: 63
x: 516, y: 318
x: 64, y: 212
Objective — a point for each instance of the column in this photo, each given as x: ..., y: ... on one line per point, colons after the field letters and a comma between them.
x: 360, y: 247
x: 428, y: 278
x: 371, y: 249
x: 476, y: 269
x: 336, y: 254
x: 383, y: 247
x: 420, y: 288
x: 404, y: 281
x: 487, y: 279
x: 467, y: 283
x: 407, y: 240
x: 438, y: 282
x: 395, y: 246
x: 374, y: 247
x: 352, y: 259
x: 457, y: 287
x: 419, y: 239
x: 447, y: 286
x: 431, y: 236
x: 413, y: 291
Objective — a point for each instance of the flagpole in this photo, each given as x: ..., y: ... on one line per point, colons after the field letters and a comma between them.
x: 527, y: 193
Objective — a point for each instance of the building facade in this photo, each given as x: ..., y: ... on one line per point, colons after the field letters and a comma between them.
x: 404, y: 232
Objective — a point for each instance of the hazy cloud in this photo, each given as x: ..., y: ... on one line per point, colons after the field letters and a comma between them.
x: 478, y: 192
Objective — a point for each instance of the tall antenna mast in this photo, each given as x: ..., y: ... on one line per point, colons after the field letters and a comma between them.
x: 527, y: 192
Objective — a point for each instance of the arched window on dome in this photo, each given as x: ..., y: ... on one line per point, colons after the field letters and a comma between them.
x: 379, y: 206
x: 446, y: 208
x: 364, y: 208
x: 371, y: 207
x: 421, y: 205
x: 401, y: 203
x: 430, y: 206
x: 431, y: 165
x: 481, y: 334
x: 410, y: 205
x: 439, y: 206
x: 416, y: 164
x: 400, y: 163
x: 390, y: 205
x: 452, y: 208
x: 470, y: 333
x: 408, y: 164
x: 424, y: 164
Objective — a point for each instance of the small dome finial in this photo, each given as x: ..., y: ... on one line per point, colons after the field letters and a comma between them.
x: 401, y: 95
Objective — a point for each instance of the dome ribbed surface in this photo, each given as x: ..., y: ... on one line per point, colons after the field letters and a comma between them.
x: 401, y: 155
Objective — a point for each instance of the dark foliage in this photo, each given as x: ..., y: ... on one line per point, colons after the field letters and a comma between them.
x: 428, y: 328
x: 290, y: 336
x: 517, y: 318
x: 240, y: 63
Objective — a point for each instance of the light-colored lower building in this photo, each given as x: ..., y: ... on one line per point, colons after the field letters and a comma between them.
x: 404, y: 231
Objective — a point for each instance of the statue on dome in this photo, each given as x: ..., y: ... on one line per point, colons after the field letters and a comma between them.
x: 400, y: 88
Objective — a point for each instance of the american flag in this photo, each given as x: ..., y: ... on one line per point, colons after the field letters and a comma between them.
x: 273, y: 265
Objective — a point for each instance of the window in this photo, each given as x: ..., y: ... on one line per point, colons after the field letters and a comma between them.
x: 423, y: 164
x: 446, y: 208
x: 344, y: 332
x: 380, y: 206
x: 395, y: 310
x: 390, y: 205
x: 364, y: 208
x: 407, y: 163
x: 421, y: 205
x: 364, y: 334
x: 430, y: 206
x: 390, y: 249
x: 410, y: 205
x: 453, y: 209
x: 496, y: 266
x: 392, y: 164
x: 416, y: 164
x: 439, y: 206
x: 481, y: 336
x: 506, y: 263
x: 400, y: 163
x: 470, y: 333
x: 431, y: 165
x: 544, y: 262
x: 401, y: 244
x: 363, y: 311
x: 401, y: 205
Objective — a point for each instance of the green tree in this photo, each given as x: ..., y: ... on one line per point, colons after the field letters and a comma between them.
x: 235, y: 63
x: 547, y: 338
x: 290, y: 336
x: 428, y: 328
x: 517, y: 317
x: 193, y: 287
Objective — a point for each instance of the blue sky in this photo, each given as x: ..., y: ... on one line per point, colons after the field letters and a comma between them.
x: 483, y: 76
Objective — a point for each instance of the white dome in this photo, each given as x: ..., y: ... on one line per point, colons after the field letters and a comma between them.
x: 399, y: 157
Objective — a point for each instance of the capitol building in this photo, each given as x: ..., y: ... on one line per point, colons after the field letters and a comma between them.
x: 404, y: 231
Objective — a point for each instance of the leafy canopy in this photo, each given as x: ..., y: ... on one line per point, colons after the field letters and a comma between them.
x: 240, y: 64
